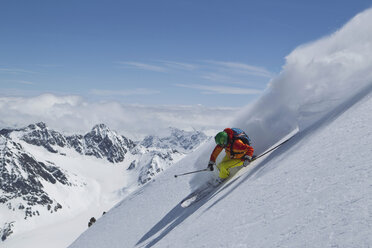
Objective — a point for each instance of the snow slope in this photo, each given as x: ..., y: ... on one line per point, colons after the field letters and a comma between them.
x: 314, y: 191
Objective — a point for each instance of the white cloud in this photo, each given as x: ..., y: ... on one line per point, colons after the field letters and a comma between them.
x: 131, y: 92
x: 49, y: 65
x: 160, y: 66
x: 210, y: 70
x: 15, y: 71
x: 218, y: 77
x: 143, y: 66
x: 73, y: 114
x: 215, y: 89
x: 235, y: 67
x: 24, y: 82
x: 179, y: 65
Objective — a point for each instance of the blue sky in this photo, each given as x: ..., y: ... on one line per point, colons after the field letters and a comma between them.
x: 166, y: 52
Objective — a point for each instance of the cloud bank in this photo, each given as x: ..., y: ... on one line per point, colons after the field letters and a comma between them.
x: 73, y: 114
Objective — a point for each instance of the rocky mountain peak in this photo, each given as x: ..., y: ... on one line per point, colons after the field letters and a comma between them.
x: 22, y: 177
x: 102, y: 142
x: 39, y: 125
x: 180, y: 140
x: 101, y: 129
x: 100, y: 132
x: 40, y: 135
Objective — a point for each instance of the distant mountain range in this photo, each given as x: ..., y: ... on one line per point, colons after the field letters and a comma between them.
x: 32, y: 179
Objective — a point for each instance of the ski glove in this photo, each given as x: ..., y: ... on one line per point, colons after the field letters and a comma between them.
x: 210, y: 165
x: 247, y: 159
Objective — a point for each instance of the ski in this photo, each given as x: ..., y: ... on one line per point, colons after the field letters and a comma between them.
x: 199, y: 194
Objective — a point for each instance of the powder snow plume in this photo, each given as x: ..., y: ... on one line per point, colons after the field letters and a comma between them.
x: 316, y: 78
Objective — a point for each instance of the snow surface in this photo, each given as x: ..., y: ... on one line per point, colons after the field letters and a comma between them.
x: 314, y: 191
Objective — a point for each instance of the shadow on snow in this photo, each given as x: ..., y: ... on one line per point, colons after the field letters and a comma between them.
x: 175, y: 217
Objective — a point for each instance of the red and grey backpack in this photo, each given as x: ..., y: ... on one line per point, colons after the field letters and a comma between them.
x: 240, y: 134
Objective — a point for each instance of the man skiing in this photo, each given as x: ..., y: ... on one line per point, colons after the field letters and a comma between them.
x: 238, y: 151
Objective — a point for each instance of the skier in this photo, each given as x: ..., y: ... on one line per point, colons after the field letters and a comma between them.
x: 238, y: 151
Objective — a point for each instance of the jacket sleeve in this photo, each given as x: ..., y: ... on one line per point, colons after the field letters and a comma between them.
x: 217, y: 150
x: 250, y: 151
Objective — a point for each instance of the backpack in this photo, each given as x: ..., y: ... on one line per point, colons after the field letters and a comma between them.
x: 240, y: 134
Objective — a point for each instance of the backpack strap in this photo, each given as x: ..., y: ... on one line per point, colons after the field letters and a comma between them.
x: 232, y: 153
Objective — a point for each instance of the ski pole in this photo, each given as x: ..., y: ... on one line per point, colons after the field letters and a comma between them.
x: 191, y: 172
x: 271, y: 149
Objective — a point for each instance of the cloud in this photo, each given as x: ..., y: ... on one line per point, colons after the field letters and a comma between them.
x: 235, y: 67
x: 160, y: 66
x: 49, y: 65
x: 207, y: 69
x: 224, y: 73
x: 210, y: 89
x: 231, y: 79
x: 132, y: 92
x: 143, y: 66
x: 179, y: 65
x: 26, y: 82
x: 23, y: 82
x: 15, y: 71
x: 73, y: 114
x: 218, y: 77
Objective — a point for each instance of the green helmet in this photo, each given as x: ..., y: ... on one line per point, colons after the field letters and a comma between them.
x: 221, y: 138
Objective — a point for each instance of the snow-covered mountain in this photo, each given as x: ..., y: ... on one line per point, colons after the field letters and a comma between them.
x: 21, y: 184
x: 100, y: 142
x: 161, y: 152
x: 177, y: 140
x: 313, y: 191
x: 44, y: 172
